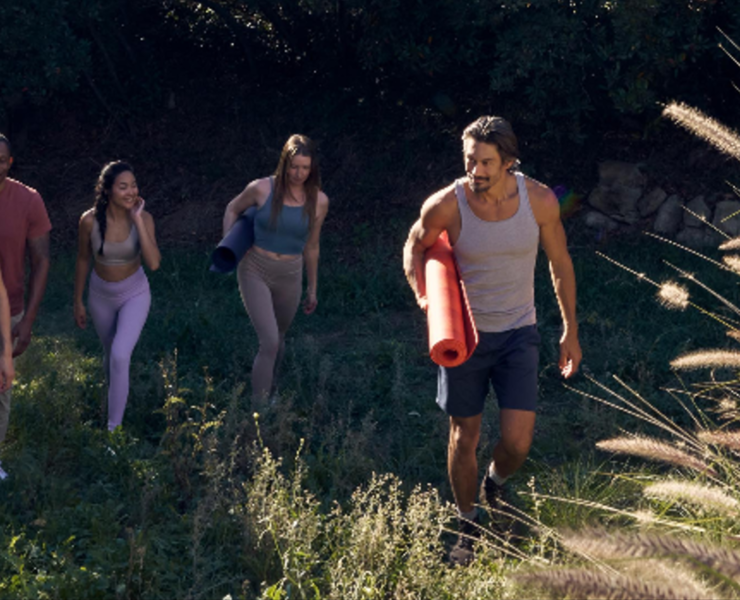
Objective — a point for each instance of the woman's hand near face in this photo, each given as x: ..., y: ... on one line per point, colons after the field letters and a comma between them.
x: 138, y: 208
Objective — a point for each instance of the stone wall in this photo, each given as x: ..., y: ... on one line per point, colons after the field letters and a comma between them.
x: 624, y: 198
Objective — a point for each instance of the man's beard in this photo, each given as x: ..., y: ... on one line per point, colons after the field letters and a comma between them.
x: 479, y: 185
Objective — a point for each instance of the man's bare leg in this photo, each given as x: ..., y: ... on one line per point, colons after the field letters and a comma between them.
x: 517, y: 429
x: 462, y: 464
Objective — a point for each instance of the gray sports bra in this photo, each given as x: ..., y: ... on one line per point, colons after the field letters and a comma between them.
x: 115, y: 253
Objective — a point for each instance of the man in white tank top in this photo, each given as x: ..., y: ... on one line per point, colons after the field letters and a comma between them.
x: 495, y: 218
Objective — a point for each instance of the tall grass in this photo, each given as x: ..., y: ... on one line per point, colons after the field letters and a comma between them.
x: 340, y: 486
x: 694, y: 489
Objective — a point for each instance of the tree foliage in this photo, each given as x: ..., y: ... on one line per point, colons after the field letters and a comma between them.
x: 560, y: 65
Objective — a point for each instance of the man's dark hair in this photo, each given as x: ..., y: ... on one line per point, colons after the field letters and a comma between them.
x: 6, y: 141
x: 496, y: 131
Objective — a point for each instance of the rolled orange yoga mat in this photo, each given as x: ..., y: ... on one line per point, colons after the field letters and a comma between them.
x: 452, y: 332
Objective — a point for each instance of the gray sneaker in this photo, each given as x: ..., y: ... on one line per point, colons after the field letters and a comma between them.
x: 3, y: 474
x: 463, y: 552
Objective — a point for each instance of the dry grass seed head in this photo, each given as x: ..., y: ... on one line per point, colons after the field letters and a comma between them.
x: 734, y: 334
x: 653, y: 449
x: 669, y: 575
x: 601, y: 544
x: 583, y: 583
x: 706, y: 497
x: 673, y: 295
x: 722, y: 138
x: 728, y: 439
x: 733, y: 244
x: 711, y: 359
x: 732, y: 262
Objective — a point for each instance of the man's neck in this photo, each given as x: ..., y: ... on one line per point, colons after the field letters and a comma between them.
x: 3, y: 184
x: 499, y: 193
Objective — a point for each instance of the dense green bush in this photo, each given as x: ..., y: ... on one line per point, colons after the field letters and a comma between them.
x: 561, y: 66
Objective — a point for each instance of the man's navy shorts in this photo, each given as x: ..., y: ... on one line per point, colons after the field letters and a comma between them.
x: 509, y: 360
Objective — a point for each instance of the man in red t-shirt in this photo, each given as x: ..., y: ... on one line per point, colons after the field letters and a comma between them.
x: 24, y: 229
x: 6, y: 346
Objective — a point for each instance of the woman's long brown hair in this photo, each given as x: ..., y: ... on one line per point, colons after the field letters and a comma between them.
x: 297, y: 145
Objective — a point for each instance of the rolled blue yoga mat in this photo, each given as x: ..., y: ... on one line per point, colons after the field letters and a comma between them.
x: 235, y: 244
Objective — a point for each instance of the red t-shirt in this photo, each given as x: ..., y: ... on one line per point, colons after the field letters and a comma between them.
x: 23, y: 217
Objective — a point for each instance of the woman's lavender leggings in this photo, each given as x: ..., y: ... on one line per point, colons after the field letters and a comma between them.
x: 119, y: 310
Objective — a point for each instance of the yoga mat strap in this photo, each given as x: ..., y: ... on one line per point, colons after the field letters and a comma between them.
x: 232, y: 248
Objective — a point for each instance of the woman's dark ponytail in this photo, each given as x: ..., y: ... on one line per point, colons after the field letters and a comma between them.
x: 106, y: 179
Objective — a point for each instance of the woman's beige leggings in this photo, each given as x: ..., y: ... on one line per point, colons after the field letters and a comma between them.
x: 271, y: 292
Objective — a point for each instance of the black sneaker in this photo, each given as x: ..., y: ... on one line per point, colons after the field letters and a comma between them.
x: 493, y: 498
x: 463, y: 553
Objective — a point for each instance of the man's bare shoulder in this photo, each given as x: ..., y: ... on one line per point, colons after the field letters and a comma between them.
x: 544, y: 203
x: 441, y: 201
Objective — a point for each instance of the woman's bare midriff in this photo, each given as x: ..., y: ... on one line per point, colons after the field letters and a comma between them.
x: 273, y: 255
x: 113, y: 273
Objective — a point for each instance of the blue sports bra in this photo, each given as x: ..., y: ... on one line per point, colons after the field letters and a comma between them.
x: 290, y: 233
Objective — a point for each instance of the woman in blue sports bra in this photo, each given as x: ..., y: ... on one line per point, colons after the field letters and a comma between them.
x: 290, y: 212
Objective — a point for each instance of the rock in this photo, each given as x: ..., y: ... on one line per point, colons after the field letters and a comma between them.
x: 597, y: 220
x: 616, y: 201
x: 724, y: 209
x: 615, y: 173
x: 651, y: 202
x: 700, y: 208
x: 696, y: 237
x: 669, y: 216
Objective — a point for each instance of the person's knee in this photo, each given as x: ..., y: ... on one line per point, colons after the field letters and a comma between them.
x: 119, y: 359
x: 270, y: 346
x: 516, y: 448
x: 463, y: 438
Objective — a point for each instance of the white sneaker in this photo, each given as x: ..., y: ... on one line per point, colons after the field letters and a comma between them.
x: 3, y: 474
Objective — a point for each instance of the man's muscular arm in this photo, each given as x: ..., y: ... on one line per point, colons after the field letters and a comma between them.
x: 38, y: 248
x: 436, y: 216
x: 6, y: 346
x: 552, y: 237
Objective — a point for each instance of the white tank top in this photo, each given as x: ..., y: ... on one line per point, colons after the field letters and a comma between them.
x: 496, y: 261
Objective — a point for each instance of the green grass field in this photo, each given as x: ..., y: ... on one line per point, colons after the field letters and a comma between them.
x: 339, y: 489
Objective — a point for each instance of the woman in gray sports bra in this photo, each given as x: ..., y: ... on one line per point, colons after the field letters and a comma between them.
x: 287, y: 226
x: 119, y: 235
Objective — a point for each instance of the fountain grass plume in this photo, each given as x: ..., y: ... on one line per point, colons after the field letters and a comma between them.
x: 597, y: 546
x: 654, y: 449
x: 693, y: 279
x: 602, y: 544
x: 705, y: 127
x: 649, y: 414
x: 733, y: 262
x: 673, y: 295
x: 585, y: 583
x: 712, y: 359
x: 727, y: 439
x: 706, y: 497
x: 727, y: 409
x: 732, y: 244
